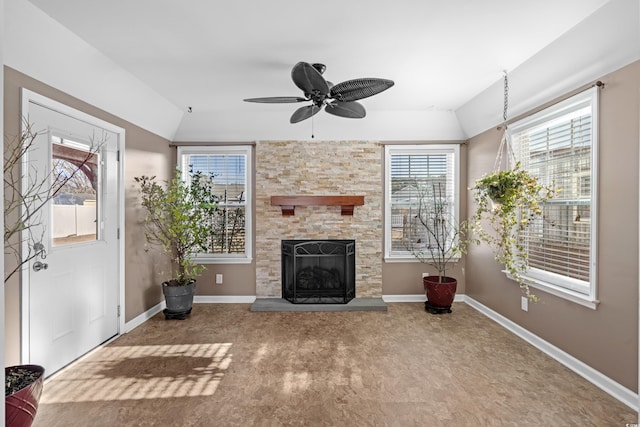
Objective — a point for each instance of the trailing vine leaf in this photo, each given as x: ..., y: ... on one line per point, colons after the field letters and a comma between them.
x: 506, y: 202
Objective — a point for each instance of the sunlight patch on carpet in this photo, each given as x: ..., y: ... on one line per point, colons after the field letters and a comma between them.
x: 142, y: 372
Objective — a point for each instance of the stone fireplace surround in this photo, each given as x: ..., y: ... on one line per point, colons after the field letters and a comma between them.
x: 319, y: 168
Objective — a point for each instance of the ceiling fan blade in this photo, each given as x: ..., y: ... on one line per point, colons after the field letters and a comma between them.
x: 303, y: 113
x: 350, y: 110
x: 352, y: 90
x: 308, y: 79
x: 277, y: 99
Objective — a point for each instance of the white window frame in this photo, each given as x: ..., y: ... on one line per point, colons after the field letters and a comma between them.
x: 424, y: 149
x: 246, y: 150
x: 556, y: 284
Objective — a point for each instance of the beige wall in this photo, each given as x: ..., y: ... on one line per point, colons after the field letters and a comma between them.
x: 297, y: 161
x: 607, y: 338
x: 146, y: 153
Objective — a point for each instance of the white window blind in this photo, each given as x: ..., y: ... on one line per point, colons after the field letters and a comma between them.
x: 229, y: 168
x: 412, y: 172
x: 558, y: 146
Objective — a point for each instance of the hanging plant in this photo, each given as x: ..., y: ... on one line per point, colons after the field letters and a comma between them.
x: 507, y: 201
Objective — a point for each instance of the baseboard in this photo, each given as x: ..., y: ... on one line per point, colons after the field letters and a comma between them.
x: 414, y: 298
x: 224, y: 299
x: 140, y: 319
x: 623, y: 394
x: 221, y: 299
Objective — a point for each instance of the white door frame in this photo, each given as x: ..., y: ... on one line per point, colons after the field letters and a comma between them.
x: 28, y: 96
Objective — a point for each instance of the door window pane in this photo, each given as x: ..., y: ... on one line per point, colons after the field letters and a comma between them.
x: 75, y: 178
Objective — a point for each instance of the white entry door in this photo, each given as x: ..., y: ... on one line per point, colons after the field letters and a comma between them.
x: 73, y: 284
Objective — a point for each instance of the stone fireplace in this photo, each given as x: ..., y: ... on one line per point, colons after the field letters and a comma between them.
x: 318, y: 168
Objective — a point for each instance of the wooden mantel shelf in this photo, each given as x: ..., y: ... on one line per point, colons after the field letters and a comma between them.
x: 288, y: 203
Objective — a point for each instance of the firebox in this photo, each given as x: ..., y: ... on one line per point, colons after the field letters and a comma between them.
x: 318, y: 271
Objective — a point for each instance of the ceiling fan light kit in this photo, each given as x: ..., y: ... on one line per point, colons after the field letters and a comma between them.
x: 338, y: 100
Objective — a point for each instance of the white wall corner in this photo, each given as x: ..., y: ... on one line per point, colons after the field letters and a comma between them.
x: 602, y: 43
x: 2, y: 338
x: 379, y: 125
x: 45, y: 50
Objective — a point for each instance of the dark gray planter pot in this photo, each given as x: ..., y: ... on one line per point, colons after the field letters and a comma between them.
x: 179, y: 300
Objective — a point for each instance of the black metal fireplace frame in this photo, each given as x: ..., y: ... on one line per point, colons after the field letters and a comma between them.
x: 292, y: 250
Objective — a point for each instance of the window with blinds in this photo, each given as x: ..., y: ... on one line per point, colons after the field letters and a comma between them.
x: 230, y: 170
x: 558, y: 146
x: 412, y: 173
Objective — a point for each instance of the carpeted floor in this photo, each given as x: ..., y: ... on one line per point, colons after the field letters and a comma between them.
x: 227, y: 366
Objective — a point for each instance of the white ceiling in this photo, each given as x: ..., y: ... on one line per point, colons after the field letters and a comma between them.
x: 209, y: 55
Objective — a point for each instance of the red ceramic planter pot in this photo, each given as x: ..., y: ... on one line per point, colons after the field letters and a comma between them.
x: 21, y: 406
x: 440, y: 294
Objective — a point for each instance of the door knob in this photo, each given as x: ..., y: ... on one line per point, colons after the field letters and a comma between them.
x: 37, y: 266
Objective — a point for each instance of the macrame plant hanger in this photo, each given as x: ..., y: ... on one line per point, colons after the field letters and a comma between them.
x: 505, y: 150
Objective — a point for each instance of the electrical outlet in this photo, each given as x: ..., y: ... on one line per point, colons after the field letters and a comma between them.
x: 425, y: 274
x: 524, y: 303
x: 218, y: 279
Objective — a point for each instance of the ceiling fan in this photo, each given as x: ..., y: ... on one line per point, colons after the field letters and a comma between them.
x: 339, y: 100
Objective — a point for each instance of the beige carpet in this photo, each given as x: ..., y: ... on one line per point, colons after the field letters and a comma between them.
x: 227, y: 366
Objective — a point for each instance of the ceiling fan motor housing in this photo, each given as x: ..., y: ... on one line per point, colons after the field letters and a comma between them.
x: 319, y: 67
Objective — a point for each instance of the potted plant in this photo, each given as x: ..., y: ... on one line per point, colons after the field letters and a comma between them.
x: 437, y: 240
x: 178, y: 220
x: 507, y: 201
x: 22, y: 391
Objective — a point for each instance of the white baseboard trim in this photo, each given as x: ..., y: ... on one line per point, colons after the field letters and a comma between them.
x: 224, y: 299
x: 605, y: 383
x: 414, y: 298
x: 404, y: 298
x: 140, y: 319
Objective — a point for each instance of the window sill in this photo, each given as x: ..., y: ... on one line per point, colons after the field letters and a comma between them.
x: 410, y: 259
x: 221, y: 260
x: 566, y: 294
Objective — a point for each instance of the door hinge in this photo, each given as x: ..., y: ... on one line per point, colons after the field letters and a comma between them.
x: 118, y: 310
x: 118, y: 234
x: 118, y: 155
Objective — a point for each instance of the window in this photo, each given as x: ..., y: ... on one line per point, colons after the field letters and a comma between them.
x: 230, y: 167
x: 412, y: 171
x: 559, y: 146
x: 76, y: 183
